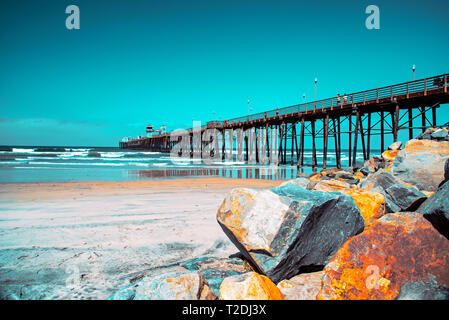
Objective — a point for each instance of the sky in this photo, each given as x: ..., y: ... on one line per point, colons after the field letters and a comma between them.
x: 134, y: 62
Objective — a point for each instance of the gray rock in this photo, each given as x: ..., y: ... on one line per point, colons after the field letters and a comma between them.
x: 216, y: 269
x: 398, y: 197
x: 423, y: 291
x: 406, y: 198
x: 366, y: 170
x: 344, y: 176
x: 439, y: 134
x: 289, y: 229
x: 421, y: 163
x: 427, y: 134
x: 372, y: 165
x: 436, y: 210
x: 301, y: 182
x: 168, y: 286
x: 395, y: 146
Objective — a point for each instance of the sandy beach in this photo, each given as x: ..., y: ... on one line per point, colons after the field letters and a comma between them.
x: 85, y: 240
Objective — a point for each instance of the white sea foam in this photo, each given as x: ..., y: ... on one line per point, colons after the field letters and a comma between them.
x: 21, y: 150
x: 164, y: 164
x: 79, y: 163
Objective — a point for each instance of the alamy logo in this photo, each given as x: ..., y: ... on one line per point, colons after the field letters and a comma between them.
x: 373, y: 20
x: 73, y: 20
x: 372, y: 281
x: 212, y: 145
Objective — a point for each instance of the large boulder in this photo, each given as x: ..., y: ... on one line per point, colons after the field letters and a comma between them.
x: 436, y: 209
x: 398, y: 197
x: 288, y: 230
x: 168, y: 286
x: 304, y: 286
x: 421, y: 163
x: 370, y: 203
x: 249, y: 286
x: 398, y: 248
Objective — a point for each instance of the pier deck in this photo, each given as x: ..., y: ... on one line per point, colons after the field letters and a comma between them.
x: 349, y: 115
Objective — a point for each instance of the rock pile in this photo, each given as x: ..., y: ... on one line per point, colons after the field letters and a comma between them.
x: 378, y: 231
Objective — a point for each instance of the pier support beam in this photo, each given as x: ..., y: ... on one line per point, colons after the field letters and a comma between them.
x: 434, y: 116
x: 382, y: 132
x: 350, y: 142
x: 325, y: 138
x: 423, y: 118
x: 285, y: 143
x: 368, y: 144
x: 314, y: 162
x: 339, y: 143
x: 362, y: 138
x: 301, y: 143
x: 396, y: 123
x: 354, y: 155
x: 337, y: 157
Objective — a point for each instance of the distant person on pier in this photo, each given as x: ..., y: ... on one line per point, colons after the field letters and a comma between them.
x: 338, y: 99
x: 345, y: 98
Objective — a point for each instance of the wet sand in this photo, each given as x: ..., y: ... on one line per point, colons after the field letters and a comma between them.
x: 85, y: 240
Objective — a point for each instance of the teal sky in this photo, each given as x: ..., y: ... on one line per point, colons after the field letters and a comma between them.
x: 134, y: 63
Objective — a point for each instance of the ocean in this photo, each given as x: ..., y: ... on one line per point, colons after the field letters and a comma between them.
x: 19, y: 164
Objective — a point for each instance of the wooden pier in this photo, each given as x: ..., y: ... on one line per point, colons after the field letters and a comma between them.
x: 357, y: 117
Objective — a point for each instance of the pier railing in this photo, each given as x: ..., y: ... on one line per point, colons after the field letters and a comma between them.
x: 405, y: 90
x: 393, y: 92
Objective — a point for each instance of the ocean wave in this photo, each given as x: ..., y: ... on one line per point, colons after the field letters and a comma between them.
x: 21, y: 150
x: 164, y: 164
x: 112, y: 154
x: 79, y: 163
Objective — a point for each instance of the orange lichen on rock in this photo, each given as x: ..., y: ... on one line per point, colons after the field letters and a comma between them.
x: 395, y: 249
x: 359, y: 175
x: 427, y: 193
x: 317, y: 176
x: 390, y: 155
x: 230, y: 211
x: 371, y: 204
x: 427, y: 145
x: 249, y: 286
